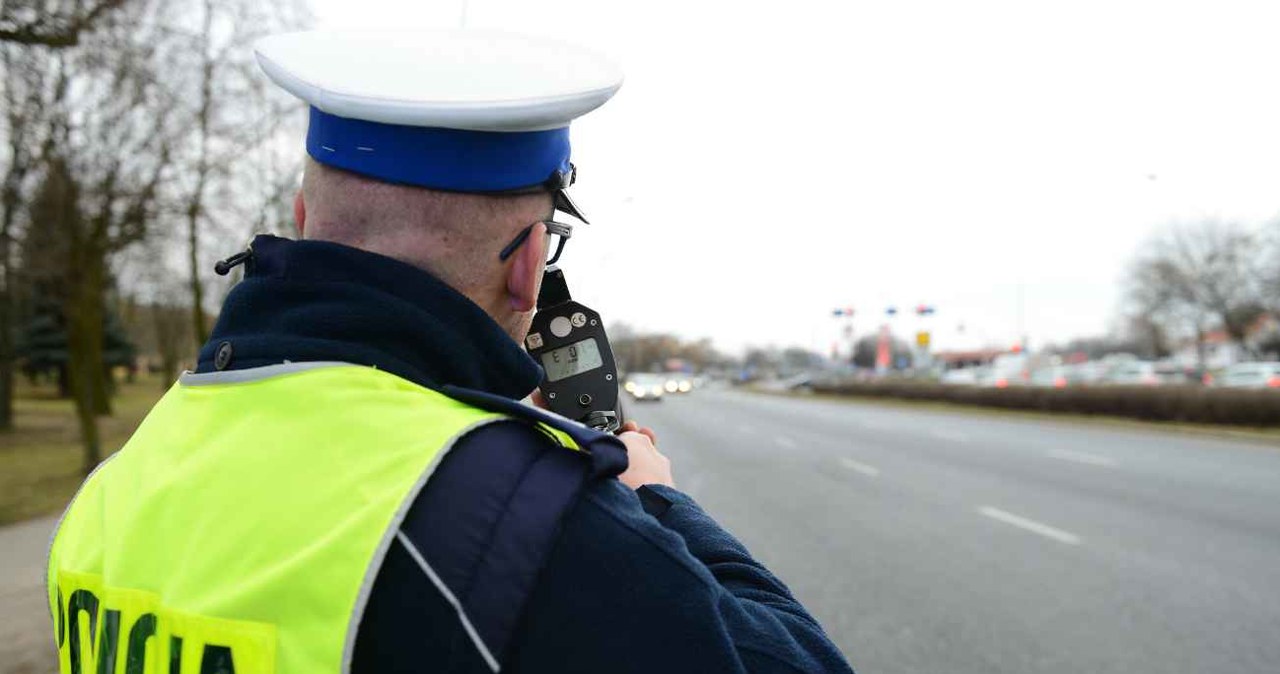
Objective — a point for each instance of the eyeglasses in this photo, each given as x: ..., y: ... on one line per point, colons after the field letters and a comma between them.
x: 557, y: 234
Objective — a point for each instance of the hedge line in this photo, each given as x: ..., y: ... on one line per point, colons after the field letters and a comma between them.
x: 1163, y: 403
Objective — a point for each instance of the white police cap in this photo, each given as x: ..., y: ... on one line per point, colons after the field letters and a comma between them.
x: 457, y: 110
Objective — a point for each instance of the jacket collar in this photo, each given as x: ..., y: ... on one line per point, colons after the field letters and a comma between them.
x: 315, y: 300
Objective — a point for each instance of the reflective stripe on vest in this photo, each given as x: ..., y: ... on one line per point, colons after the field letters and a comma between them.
x: 242, y: 526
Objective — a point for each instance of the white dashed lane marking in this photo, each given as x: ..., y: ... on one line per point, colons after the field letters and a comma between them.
x: 1030, y: 525
x: 859, y: 467
x: 950, y: 436
x: 1081, y: 457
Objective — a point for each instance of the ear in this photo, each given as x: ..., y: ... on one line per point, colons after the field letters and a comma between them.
x: 524, y: 276
x: 299, y: 213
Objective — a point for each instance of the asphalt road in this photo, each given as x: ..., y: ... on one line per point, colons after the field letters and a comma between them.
x: 929, y: 541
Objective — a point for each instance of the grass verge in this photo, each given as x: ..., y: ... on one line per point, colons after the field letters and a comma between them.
x: 40, y: 458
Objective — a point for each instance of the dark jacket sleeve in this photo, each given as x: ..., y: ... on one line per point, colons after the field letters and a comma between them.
x: 627, y: 591
x: 762, y: 609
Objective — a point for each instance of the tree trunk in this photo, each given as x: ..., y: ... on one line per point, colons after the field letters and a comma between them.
x: 90, y: 441
x: 106, y: 389
x: 85, y: 373
x: 84, y: 314
x: 1200, y: 348
x: 1159, y: 343
x: 197, y: 286
x: 6, y: 394
x: 169, y: 367
x: 196, y: 206
x: 6, y: 350
x: 168, y: 340
x: 8, y: 296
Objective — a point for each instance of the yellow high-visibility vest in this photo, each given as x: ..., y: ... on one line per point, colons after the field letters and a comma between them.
x: 242, y: 526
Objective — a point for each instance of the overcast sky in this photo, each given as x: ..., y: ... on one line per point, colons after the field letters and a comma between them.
x: 767, y: 162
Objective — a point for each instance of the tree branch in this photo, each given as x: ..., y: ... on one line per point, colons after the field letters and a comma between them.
x: 57, y: 32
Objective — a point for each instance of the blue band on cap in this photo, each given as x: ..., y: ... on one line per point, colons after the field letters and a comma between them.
x: 445, y: 159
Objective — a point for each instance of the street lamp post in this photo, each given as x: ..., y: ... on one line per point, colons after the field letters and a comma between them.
x: 847, y: 314
x: 924, y: 336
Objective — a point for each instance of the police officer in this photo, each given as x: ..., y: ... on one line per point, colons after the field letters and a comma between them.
x: 349, y: 482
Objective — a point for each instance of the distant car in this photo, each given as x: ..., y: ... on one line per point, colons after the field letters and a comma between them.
x: 1250, y: 375
x: 645, y: 386
x: 964, y: 375
x: 1008, y: 369
x: 1091, y: 372
x: 1054, y: 376
x: 1145, y: 373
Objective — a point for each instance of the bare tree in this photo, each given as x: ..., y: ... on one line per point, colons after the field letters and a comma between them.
x: 1221, y: 262
x: 123, y: 130
x: 106, y: 155
x: 1271, y: 266
x: 24, y: 89
x: 234, y: 120
x: 55, y: 24
x: 1155, y: 308
x: 164, y: 317
x: 1148, y: 336
x: 1192, y: 276
x: 195, y: 201
x: 170, y: 325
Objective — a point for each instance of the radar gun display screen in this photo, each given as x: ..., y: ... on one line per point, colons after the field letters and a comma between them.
x: 573, y: 359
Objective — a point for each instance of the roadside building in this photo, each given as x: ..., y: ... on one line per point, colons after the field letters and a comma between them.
x: 1262, y: 341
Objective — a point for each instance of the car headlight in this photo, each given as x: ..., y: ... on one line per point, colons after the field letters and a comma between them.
x: 672, y: 386
x: 685, y: 386
x: 657, y: 390
x: 630, y: 387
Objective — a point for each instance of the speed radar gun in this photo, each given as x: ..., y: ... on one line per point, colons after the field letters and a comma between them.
x: 568, y: 339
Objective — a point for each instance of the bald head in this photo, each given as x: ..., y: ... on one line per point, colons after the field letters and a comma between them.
x: 456, y: 237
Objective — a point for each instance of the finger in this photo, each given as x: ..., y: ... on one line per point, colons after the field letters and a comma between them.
x: 638, y: 442
x: 653, y: 437
x: 629, y: 426
x: 538, y: 400
x: 635, y: 435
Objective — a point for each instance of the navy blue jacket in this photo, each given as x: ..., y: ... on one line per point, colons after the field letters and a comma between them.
x: 517, y: 551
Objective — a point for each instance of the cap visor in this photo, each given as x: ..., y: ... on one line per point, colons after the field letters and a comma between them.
x: 565, y: 204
